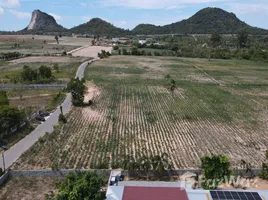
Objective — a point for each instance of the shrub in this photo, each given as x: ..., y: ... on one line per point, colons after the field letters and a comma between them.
x: 62, y: 118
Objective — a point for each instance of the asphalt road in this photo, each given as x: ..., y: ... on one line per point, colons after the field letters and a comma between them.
x: 12, y: 154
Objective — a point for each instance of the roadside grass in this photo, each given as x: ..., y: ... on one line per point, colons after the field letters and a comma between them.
x: 65, y: 73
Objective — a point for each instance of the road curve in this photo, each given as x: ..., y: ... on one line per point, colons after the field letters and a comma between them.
x: 12, y: 154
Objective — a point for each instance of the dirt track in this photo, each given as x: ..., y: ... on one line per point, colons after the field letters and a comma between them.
x: 91, y: 51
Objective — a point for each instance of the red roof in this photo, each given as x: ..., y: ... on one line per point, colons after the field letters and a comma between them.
x: 154, y: 193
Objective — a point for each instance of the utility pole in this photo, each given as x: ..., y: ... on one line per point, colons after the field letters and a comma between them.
x: 4, y: 148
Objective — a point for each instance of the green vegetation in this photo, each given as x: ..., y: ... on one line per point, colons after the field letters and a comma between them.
x: 206, y: 21
x: 10, y: 117
x: 264, y: 172
x: 57, y: 100
x: 80, y: 185
x: 157, y: 163
x: 42, y: 75
x: 104, y: 54
x: 216, y: 169
x: 77, y: 88
x: 9, y: 56
x: 98, y: 27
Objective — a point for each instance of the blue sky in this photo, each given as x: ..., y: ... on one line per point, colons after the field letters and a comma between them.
x: 16, y: 14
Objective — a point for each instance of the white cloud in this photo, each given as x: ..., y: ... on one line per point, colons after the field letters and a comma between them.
x: 83, y: 4
x: 2, y: 12
x: 21, y: 15
x: 86, y: 18
x: 10, y: 3
x: 154, y: 4
x: 57, y: 17
x: 241, y: 8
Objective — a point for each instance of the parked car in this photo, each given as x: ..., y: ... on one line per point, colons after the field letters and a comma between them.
x: 44, y: 114
x: 40, y: 118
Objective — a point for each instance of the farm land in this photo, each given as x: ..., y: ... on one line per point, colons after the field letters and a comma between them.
x: 218, y: 107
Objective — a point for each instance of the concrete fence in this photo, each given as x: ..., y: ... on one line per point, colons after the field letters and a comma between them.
x: 32, y: 86
x: 4, y: 178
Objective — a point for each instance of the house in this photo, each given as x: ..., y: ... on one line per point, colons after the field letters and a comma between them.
x: 115, y: 39
x: 178, y: 193
x: 142, y: 41
x: 180, y: 190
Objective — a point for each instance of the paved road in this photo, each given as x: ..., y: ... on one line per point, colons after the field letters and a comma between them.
x: 12, y: 154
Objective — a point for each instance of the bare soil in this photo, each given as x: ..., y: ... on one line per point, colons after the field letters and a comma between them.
x: 29, y: 188
x: 91, y: 51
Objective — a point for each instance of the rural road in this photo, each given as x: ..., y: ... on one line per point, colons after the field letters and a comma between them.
x: 12, y: 154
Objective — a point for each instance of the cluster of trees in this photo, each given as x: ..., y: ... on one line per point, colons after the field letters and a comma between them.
x: 41, y: 75
x: 77, y: 88
x: 10, y: 117
x: 104, y: 54
x: 136, y: 52
x: 9, y: 55
x: 80, y: 185
x: 239, y: 46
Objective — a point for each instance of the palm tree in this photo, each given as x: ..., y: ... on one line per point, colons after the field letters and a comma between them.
x: 145, y: 164
x: 160, y: 163
x: 129, y: 163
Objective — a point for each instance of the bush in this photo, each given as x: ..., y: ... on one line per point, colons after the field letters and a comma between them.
x: 62, y: 118
x: 81, y: 185
x: 216, y: 169
x: 116, y: 48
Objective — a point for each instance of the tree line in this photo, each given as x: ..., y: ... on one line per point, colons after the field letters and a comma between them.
x: 10, y: 117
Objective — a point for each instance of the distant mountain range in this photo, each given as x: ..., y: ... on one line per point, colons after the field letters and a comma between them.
x: 206, y: 21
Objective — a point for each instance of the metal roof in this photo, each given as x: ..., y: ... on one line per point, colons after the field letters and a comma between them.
x: 154, y: 193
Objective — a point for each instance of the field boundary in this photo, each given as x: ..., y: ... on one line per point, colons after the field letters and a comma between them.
x: 80, y: 48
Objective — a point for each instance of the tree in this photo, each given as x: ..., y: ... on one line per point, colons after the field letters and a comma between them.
x: 10, y: 116
x: 173, y: 85
x: 45, y: 72
x: 242, y: 38
x: 81, y: 185
x: 77, y: 89
x: 215, y: 39
x: 160, y: 163
x: 56, y: 67
x: 215, y: 169
x: 129, y: 163
x: 29, y: 74
x: 3, y: 98
x: 57, y: 39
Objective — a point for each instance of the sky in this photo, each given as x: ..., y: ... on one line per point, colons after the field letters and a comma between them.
x: 16, y: 14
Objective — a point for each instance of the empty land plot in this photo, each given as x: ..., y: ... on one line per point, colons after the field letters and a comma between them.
x: 135, y: 113
x: 67, y: 67
x: 40, y: 45
x: 29, y: 188
x: 91, y: 51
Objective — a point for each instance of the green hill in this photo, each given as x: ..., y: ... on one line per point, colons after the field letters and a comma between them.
x: 97, y: 26
x: 206, y: 21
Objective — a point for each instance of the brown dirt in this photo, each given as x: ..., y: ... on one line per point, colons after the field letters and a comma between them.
x: 29, y: 188
x: 91, y: 51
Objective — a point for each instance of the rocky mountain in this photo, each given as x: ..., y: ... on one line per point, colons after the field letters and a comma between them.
x: 97, y: 26
x: 206, y: 21
x: 43, y: 21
